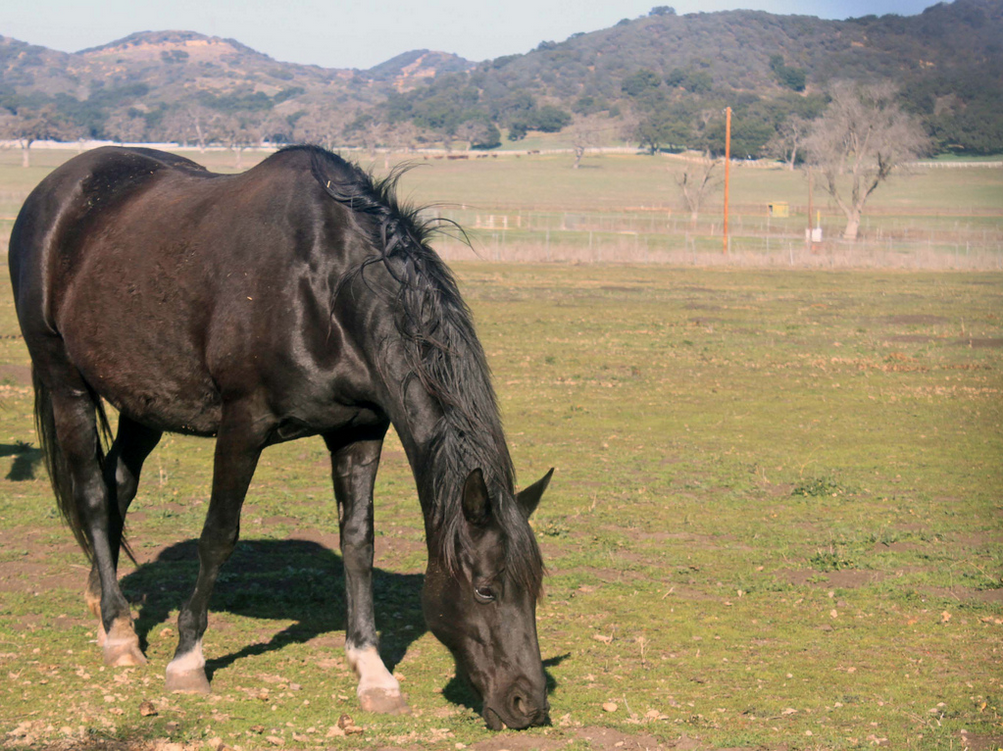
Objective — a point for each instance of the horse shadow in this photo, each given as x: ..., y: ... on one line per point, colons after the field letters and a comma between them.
x: 26, y: 458
x: 295, y: 580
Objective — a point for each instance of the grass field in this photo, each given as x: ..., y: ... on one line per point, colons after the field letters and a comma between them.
x: 627, y: 208
x: 775, y: 524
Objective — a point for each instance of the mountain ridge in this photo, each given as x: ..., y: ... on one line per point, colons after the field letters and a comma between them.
x: 170, y: 84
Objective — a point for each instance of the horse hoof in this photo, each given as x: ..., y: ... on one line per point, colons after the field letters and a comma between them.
x: 383, y: 701
x: 189, y: 682
x: 121, y: 645
x: 123, y: 655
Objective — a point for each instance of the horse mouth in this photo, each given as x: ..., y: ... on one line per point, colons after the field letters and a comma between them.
x: 493, y: 719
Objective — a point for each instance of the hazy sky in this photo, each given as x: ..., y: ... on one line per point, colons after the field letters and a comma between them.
x: 362, y: 33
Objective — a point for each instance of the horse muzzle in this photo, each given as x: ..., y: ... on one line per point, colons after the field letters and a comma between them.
x: 518, y: 710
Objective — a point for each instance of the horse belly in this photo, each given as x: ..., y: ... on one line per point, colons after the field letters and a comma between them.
x: 168, y: 404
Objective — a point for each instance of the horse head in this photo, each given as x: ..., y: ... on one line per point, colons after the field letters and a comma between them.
x: 483, y: 608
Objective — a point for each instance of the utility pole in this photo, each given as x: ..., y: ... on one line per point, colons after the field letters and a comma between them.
x: 808, y: 236
x: 727, y: 165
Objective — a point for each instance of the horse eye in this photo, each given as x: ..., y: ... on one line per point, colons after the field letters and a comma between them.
x: 484, y: 594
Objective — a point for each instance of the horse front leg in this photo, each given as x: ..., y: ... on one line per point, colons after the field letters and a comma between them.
x: 354, y: 463
x: 133, y: 443
x: 238, y: 446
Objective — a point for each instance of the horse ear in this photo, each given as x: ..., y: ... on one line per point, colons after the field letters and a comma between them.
x: 529, y: 498
x: 476, y: 503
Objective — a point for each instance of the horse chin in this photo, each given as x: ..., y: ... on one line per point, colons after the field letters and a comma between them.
x: 493, y: 719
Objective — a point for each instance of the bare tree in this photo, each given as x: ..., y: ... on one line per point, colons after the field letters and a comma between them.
x: 202, y: 122
x: 240, y: 132
x: 586, y: 133
x: 789, y: 140
x: 175, y: 125
x: 697, y: 182
x: 320, y: 125
x: 858, y: 142
x: 403, y: 136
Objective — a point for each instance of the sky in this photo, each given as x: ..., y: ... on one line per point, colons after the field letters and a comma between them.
x: 364, y: 33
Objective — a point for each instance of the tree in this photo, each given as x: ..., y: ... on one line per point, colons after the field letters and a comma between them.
x: 586, y: 132
x: 197, y: 122
x: 479, y: 133
x: 697, y: 182
x: 549, y: 119
x: 788, y: 77
x: 27, y: 125
x: 858, y: 142
x: 788, y: 142
x: 239, y: 132
x: 640, y: 83
x: 320, y: 125
x: 126, y: 127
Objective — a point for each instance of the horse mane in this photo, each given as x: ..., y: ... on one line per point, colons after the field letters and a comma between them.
x: 444, y: 354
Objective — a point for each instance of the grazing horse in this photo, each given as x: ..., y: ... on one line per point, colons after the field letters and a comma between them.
x: 299, y: 298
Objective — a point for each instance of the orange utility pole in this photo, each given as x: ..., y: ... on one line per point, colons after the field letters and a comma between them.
x: 727, y: 165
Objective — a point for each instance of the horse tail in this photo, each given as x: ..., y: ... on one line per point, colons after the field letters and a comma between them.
x: 58, y: 467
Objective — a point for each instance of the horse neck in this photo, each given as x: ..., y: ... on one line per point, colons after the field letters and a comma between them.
x: 443, y: 445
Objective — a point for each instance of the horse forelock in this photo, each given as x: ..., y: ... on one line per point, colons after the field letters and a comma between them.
x: 444, y: 354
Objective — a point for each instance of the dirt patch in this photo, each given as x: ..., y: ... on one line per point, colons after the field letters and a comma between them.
x: 847, y: 579
x: 283, y: 521
x: 896, y: 547
x: 977, y: 539
x: 962, y: 594
x: 15, y: 375
x: 981, y: 343
x: 389, y: 544
x: 692, y: 288
x: 973, y: 742
x: 913, y: 320
x: 325, y: 539
x: 600, y: 739
x: 911, y: 339
x: 39, y: 577
x: 700, y: 306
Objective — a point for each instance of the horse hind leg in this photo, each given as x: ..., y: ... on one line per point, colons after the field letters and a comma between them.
x: 69, y: 435
x: 122, y: 467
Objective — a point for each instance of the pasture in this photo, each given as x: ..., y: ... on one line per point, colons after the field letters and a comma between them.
x: 628, y: 208
x: 775, y: 523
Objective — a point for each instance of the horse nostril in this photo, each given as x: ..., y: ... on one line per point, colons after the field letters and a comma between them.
x: 519, y: 706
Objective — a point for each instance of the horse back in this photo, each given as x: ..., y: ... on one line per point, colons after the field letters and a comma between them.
x: 169, y: 286
x: 72, y: 197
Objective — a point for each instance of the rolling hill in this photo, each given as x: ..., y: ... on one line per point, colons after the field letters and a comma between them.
x: 662, y: 68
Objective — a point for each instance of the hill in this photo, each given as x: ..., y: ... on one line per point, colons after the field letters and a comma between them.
x: 658, y: 79
x: 673, y: 70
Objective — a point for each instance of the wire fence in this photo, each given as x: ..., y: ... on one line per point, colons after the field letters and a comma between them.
x: 947, y: 241
x: 660, y: 236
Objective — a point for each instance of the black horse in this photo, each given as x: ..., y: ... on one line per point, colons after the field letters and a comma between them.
x: 299, y: 298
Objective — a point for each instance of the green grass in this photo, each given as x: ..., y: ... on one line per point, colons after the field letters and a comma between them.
x: 774, y: 523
